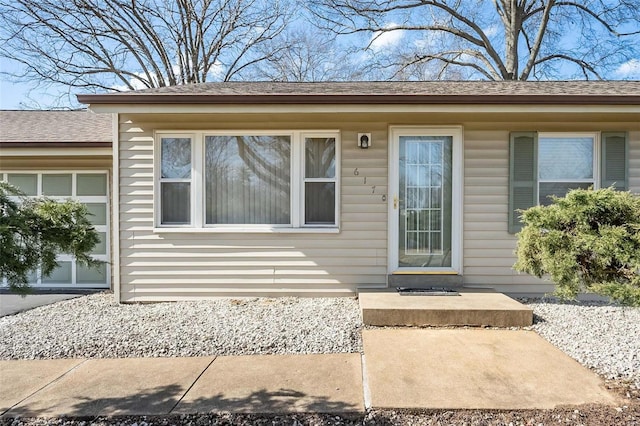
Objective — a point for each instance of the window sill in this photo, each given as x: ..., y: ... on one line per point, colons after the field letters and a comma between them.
x: 247, y: 230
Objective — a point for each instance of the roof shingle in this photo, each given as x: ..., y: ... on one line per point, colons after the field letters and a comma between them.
x: 49, y: 128
x: 625, y: 92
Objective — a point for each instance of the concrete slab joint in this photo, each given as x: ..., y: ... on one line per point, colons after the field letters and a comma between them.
x: 278, y: 383
x: 159, y: 386
x: 129, y: 386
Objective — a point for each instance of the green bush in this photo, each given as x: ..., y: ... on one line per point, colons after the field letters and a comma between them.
x: 587, y: 241
x: 33, y: 231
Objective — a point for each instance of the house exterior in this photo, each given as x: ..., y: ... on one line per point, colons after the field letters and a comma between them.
x: 63, y: 154
x: 266, y: 189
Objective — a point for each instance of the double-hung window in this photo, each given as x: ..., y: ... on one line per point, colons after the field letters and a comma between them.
x: 244, y: 181
x: 565, y: 162
x: 543, y: 165
x: 320, y: 180
x: 175, y: 179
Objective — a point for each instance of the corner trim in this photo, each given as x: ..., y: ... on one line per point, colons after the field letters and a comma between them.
x: 115, y: 208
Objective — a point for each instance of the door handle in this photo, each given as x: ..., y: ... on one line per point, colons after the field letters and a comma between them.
x: 395, y: 202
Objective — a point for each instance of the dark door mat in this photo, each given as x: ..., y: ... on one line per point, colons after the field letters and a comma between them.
x: 430, y: 291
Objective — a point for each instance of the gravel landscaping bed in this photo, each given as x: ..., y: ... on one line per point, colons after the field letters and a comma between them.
x: 96, y: 326
x: 598, y: 335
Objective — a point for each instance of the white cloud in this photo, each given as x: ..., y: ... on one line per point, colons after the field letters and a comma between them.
x: 175, y: 68
x: 425, y: 44
x: 630, y: 69
x: 386, y: 39
x: 491, y: 30
x: 136, y: 83
x: 216, y: 72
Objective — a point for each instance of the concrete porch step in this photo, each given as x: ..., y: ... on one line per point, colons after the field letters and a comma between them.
x: 470, y: 308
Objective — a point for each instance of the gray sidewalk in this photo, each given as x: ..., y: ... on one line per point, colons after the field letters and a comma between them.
x: 153, y: 386
x: 403, y: 368
x: 13, y: 303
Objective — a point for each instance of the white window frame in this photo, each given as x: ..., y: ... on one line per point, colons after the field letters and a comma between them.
x: 159, y: 179
x: 105, y: 229
x: 241, y: 227
x: 334, y: 180
x: 198, y: 206
x: 457, y: 197
x: 595, y: 179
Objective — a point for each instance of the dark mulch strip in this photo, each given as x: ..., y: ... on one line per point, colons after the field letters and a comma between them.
x: 583, y: 415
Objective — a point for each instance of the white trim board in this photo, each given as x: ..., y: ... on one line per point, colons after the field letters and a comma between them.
x: 456, y: 132
x: 297, y: 182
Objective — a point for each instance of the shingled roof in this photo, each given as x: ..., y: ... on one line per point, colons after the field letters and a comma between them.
x: 428, y: 92
x: 55, y: 129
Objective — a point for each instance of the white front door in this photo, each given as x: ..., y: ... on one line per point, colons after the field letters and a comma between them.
x: 425, y: 206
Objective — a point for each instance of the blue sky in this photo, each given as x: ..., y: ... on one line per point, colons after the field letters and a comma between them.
x: 30, y: 96
x: 26, y: 95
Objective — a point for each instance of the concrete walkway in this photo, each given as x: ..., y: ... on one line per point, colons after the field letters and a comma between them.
x: 403, y: 368
x: 12, y: 303
x: 474, y: 368
x: 153, y: 386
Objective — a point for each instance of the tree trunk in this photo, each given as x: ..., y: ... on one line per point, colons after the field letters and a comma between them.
x: 513, y: 25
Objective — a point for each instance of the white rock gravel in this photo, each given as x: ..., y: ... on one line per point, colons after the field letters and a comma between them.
x: 598, y: 335
x: 96, y: 326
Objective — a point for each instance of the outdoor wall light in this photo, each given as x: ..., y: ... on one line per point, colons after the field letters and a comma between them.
x: 364, y: 140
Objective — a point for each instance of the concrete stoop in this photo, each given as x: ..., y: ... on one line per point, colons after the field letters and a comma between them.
x: 468, y: 308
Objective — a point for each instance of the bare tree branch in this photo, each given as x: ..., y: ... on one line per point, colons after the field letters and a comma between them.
x: 534, y: 50
x: 512, y: 35
x: 584, y: 65
x: 124, y: 44
x: 453, y: 58
x: 308, y: 55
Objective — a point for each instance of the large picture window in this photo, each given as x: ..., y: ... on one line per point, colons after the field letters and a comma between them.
x: 253, y: 181
x: 247, y: 180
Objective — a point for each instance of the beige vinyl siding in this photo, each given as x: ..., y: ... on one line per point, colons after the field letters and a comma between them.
x: 488, y: 247
x: 174, y: 266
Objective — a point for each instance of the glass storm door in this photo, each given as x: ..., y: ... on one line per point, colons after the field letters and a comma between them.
x: 424, y: 202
